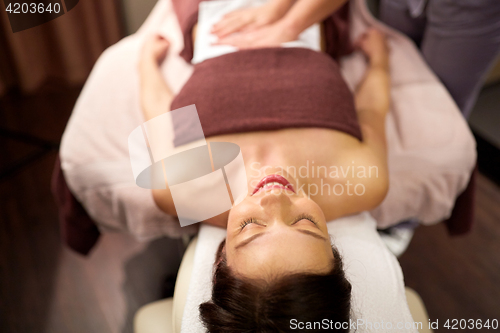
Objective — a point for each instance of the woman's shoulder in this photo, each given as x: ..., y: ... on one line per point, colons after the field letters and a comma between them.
x: 356, y: 180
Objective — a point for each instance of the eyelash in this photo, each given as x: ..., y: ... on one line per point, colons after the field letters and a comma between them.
x: 300, y: 217
x: 306, y: 217
x: 247, y: 222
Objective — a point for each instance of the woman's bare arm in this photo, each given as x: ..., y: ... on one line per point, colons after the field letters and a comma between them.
x: 156, y: 96
x: 372, y: 97
x: 372, y: 100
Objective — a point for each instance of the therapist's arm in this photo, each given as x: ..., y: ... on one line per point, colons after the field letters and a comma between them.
x: 305, y: 13
x: 299, y: 17
x: 251, y: 18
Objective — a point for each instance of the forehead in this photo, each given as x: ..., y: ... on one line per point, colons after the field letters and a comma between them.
x: 268, y: 255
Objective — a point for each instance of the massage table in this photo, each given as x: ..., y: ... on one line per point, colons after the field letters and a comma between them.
x: 378, y: 292
x: 431, y: 154
x: 166, y: 316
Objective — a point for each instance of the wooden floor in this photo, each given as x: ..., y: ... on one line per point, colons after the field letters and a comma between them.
x: 459, y: 277
x: 46, y: 288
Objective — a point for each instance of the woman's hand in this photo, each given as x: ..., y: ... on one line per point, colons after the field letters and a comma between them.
x: 373, y: 44
x: 268, y: 36
x: 154, y: 50
x: 249, y: 19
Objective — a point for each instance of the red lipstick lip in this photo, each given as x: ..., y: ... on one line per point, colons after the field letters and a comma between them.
x: 274, y: 179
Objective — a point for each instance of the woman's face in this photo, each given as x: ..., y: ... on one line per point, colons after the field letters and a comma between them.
x: 277, y: 230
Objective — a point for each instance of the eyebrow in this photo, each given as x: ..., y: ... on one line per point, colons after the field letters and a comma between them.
x: 306, y: 232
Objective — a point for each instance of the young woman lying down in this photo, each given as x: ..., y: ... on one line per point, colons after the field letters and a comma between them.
x: 285, y: 108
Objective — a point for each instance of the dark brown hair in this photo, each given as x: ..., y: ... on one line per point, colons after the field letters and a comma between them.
x: 248, y: 305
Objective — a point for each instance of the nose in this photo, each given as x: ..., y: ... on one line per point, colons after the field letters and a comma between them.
x: 276, y: 205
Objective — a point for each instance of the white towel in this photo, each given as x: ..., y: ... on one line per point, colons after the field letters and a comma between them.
x: 378, y: 294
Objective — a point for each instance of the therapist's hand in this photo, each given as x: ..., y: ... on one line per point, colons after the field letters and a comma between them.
x: 249, y: 19
x: 268, y: 36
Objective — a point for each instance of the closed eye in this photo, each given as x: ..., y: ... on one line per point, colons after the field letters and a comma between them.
x: 305, y: 217
x: 261, y: 234
x: 296, y: 220
x: 247, y: 222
